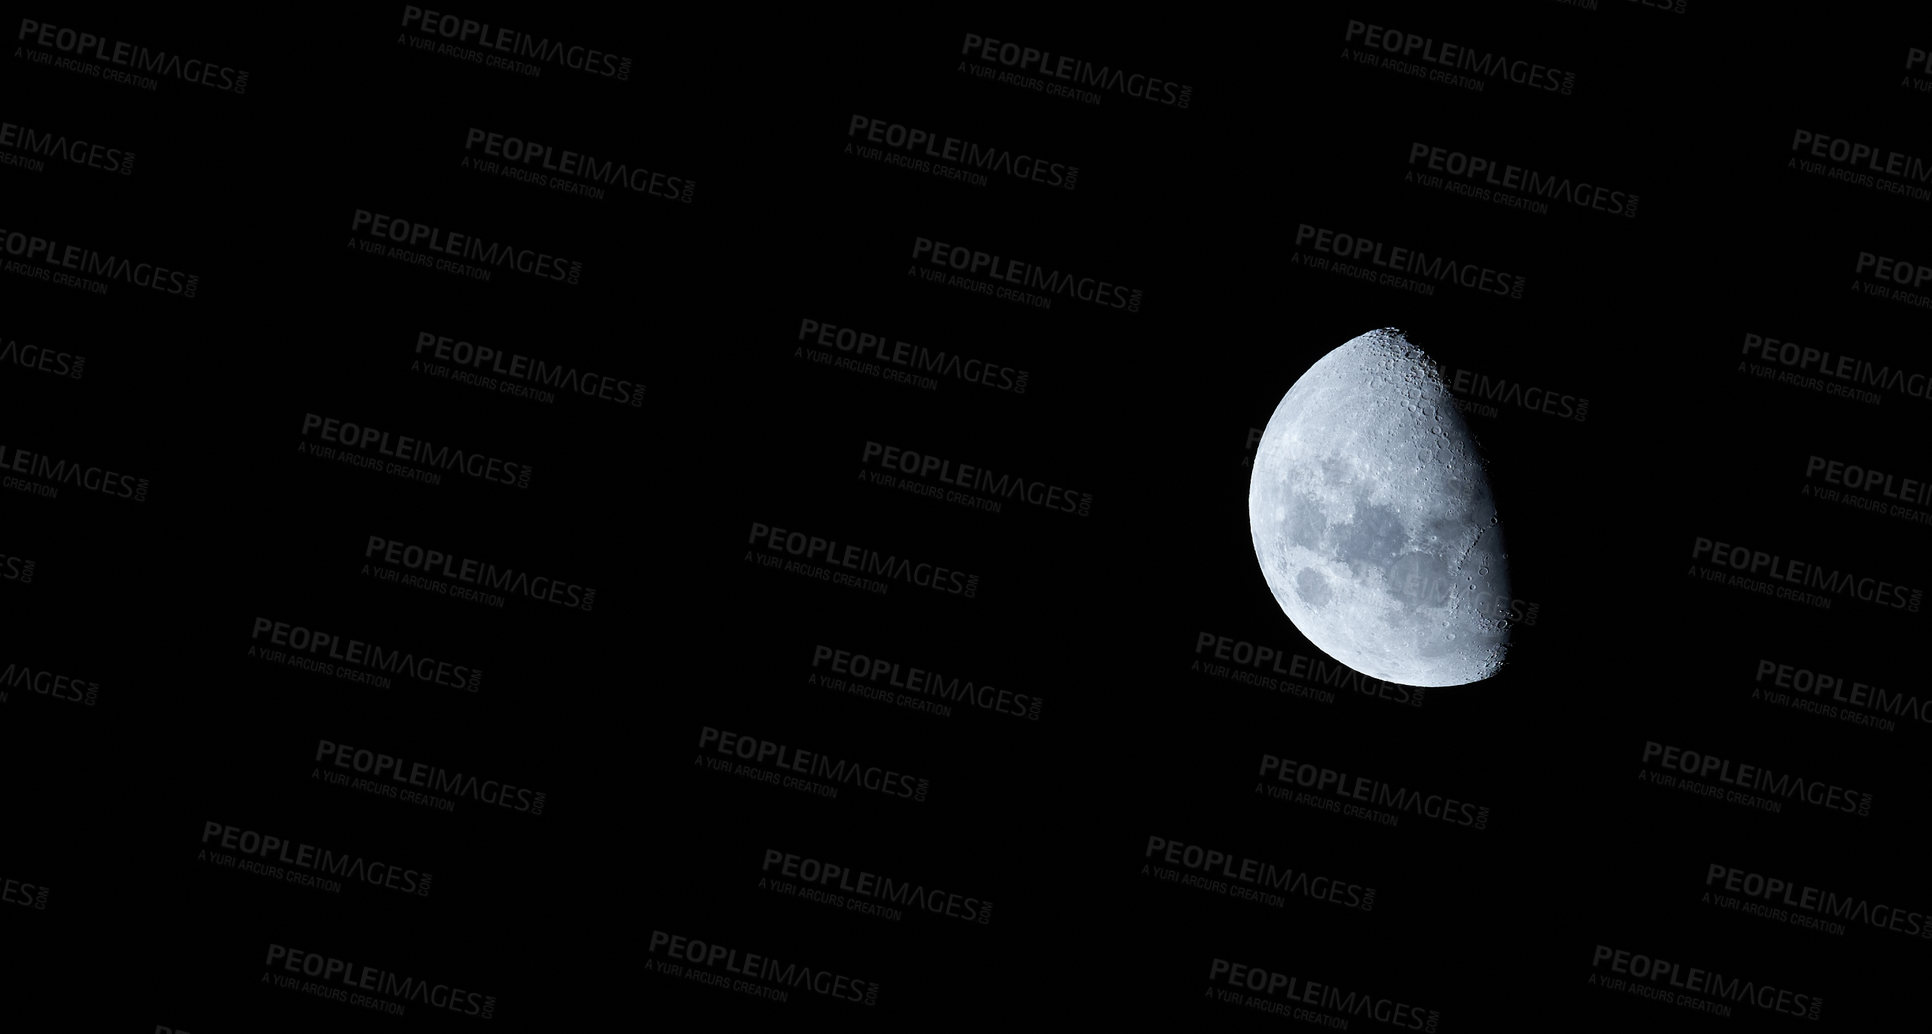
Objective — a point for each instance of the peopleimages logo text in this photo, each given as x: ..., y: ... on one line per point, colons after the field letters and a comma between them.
x: 467, y: 247
x: 1758, y: 562
x: 436, y: 563
x: 974, y: 262
x: 1461, y: 58
x: 350, y: 975
x: 429, y: 777
x: 1077, y: 71
x: 89, y: 262
x: 1787, y: 785
x: 515, y: 43
x: 121, y: 53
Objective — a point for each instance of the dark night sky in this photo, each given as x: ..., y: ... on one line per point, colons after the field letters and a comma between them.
x: 1101, y: 617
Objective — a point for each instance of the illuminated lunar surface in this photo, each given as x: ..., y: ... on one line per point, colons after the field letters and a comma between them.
x: 1373, y: 520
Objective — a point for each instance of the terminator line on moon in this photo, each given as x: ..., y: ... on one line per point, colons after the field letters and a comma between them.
x: 1373, y: 520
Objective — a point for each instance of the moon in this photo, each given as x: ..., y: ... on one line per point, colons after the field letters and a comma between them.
x: 1373, y: 520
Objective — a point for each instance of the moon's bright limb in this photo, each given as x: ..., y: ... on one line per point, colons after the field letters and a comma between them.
x: 1373, y: 520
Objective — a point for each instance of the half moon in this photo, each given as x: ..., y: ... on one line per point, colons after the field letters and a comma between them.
x: 1373, y: 521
